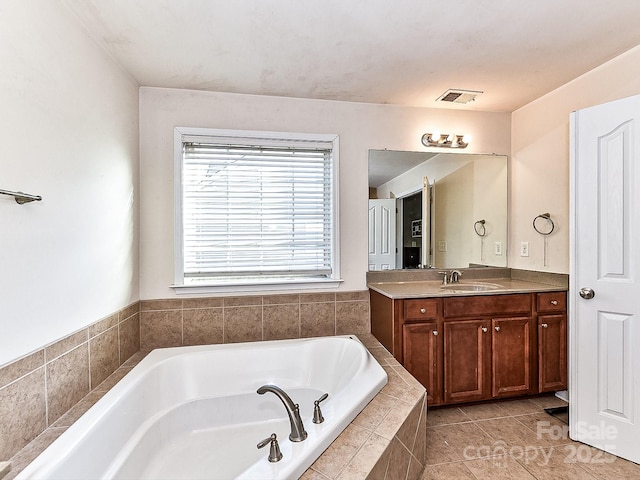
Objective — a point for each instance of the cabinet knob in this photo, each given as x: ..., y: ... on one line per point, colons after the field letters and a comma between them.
x: 497, y: 329
x: 554, y: 302
x: 423, y: 310
x: 435, y: 332
x: 544, y: 325
x: 484, y: 329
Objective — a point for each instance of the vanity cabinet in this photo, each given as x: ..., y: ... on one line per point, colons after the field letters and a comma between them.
x: 474, y: 348
x: 467, y: 358
x: 552, y: 341
x: 492, y: 354
x: 422, y: 345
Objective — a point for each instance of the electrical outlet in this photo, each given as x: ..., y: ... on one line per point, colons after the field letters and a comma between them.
x: 442, y: 246
x: 524, y: 249
x: 497, y: 249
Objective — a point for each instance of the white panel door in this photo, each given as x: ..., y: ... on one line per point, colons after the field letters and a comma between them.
x: 604, y: 389
x: 382, y: 234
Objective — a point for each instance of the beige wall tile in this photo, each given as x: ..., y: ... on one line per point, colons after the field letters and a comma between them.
x: 317, y: 297
x: 242, y: 301
x: 103, y: 325
x: 166, y: 304
x: 280, y: 299
x: 64, y: 345
x: 242, y: 324
x: 352, y: 317
x: 202, y: 326
x: 160, y: 329
x: 213, y: 302
x: 18, y: 368
x: 128, y: 311
x: 112, y: 379
x: 281, y: 321
x: 79, y: 409
x: 104, y: 356
x: 67, y: 381
x: 22, y: 413
x: 317, y: 319
x: 354, y: 295
x: 129, y: 337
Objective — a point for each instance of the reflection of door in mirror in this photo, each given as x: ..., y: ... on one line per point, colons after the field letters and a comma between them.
x: 382, y: 234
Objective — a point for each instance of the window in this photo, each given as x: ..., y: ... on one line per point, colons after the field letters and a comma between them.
x: 255, y: 210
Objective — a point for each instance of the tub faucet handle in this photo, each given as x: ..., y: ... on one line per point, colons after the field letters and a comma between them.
x: 317, y: 413
x: 275, y: 455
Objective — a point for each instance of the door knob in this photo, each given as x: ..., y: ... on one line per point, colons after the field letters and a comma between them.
x: 587, y: 293
x: 484, y: 329
x: 497, y: 329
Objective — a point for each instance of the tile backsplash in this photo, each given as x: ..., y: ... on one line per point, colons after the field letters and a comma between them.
x: 196, y: 321
x: 38, y: 389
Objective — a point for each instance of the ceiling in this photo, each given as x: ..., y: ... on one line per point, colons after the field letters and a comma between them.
x: 405, y: 52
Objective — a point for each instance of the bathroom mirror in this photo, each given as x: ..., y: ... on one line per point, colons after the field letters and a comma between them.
x: 437, y: 210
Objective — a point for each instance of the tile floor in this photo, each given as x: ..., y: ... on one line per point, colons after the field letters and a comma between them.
x: 515, y: 439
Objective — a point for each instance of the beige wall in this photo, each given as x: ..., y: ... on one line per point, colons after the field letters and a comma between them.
x: 69, y: 132
x: 360, y: 126
x: 540, y: 158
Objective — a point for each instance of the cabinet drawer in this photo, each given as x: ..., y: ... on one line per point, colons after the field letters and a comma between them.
x: 552, y: 302
x: 483, y: 305
x: 420, y: 309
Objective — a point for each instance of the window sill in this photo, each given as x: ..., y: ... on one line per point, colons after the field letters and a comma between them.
x: 275, y: 286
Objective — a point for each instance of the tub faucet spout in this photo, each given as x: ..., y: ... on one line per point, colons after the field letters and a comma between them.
x: 298, y: 433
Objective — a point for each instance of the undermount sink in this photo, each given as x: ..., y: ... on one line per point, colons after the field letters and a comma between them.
x: 472, y: 287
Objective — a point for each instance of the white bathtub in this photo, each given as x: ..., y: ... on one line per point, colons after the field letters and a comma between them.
x: 193, y: 413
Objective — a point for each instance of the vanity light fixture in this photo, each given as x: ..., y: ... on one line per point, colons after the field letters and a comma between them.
x: 428, y: 140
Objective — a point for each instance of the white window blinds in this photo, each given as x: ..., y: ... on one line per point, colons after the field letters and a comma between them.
x: 258, y: 211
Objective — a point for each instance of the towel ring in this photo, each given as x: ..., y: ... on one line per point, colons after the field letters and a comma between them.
x: 547, y: 217
x: 479, y: 228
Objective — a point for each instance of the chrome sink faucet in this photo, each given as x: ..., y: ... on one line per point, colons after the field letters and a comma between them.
x: 298, y: 433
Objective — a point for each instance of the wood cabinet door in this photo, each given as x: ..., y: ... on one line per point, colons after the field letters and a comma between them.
x: 552, y: 352
x: 512, y: 359
x: 467, y: 360
x: 422, y: 353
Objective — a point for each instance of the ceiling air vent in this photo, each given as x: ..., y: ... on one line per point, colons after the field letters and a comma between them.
x: 458, y: 96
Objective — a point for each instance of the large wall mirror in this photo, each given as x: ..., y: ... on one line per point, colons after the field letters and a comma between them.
x: 437, y: 210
